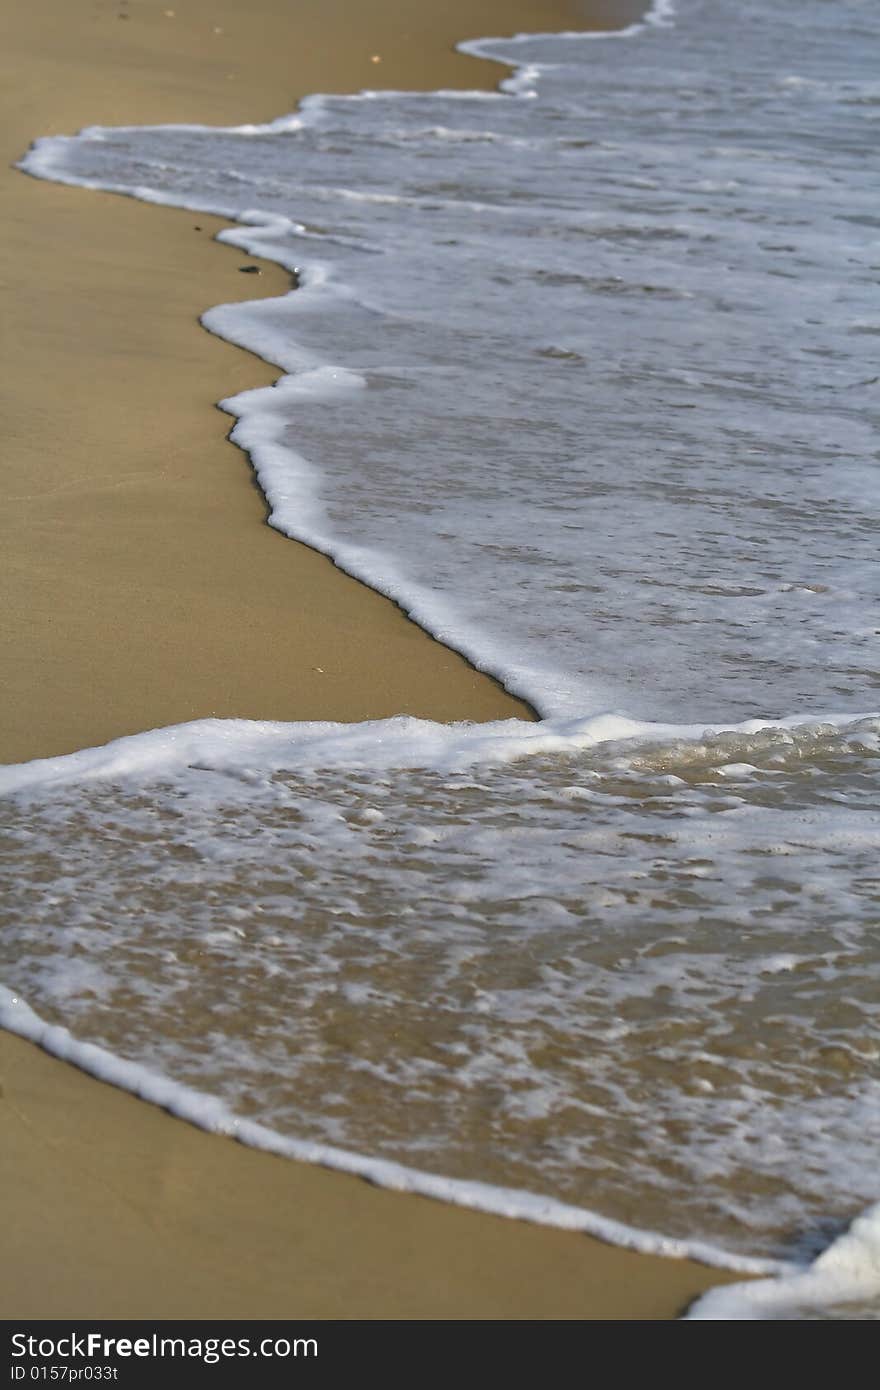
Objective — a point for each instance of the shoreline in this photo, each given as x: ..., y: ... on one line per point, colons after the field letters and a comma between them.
x: 147, y: 590
x: 142, y: 586
x: 142, y: 1215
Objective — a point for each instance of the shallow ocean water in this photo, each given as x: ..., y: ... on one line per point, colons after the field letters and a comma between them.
x: 584, y: 375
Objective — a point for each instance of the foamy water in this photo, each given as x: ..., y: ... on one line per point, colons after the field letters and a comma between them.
x: 582, y: 374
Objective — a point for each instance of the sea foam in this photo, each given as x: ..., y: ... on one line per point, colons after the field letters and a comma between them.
x: 575, y: 373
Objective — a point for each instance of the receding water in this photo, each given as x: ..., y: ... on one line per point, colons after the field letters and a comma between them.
x: 584, y: 374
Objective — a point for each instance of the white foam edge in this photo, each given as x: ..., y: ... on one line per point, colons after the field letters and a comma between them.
x: 292, y: 487
x: 378, y: 745
x: 846, y: 1273
x: 42, y: 159
x: 849, y: 1271
x: 291, y: 484
x: 212, y: 1115
x: 659, y: 15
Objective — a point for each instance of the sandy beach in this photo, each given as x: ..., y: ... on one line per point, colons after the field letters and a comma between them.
x: 126, y: 1212
x: 142, y: 588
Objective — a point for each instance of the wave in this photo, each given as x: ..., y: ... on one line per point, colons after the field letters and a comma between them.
x: 612, y: 300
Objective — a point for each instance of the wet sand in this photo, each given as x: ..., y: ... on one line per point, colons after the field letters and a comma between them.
x: 141, y: 588
x: 126, y: 1212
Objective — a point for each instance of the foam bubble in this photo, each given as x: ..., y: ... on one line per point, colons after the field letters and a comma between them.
x: 599, y: 422
x: 844, y: 1281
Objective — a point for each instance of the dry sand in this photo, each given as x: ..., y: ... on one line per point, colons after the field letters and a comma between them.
x: 141, y: 588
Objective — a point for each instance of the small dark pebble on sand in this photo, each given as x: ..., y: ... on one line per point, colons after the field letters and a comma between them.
x: 249, y: 269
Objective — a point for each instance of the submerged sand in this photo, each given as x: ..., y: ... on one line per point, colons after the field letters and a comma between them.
x: 142, y: 588
x: 125, y: 1212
